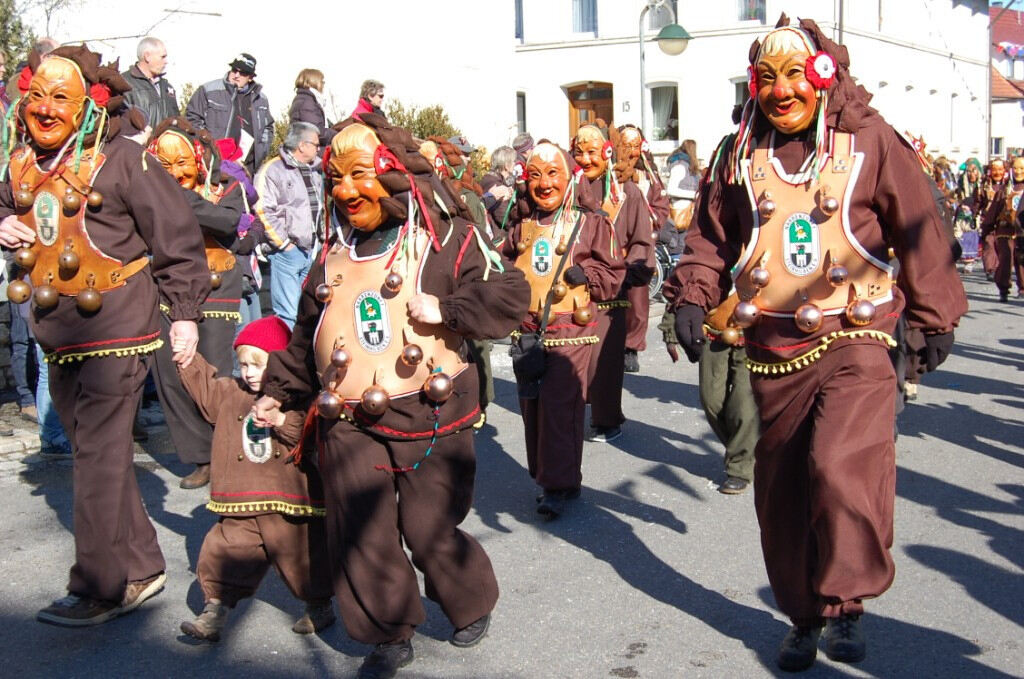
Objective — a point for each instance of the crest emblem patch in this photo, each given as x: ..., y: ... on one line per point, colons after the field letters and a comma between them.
x: 801, y: 244
x: 373, y: 327
x: 540, y: 257
x: 256, y: 441
x: 1016, y: 201
x: 46, y: 211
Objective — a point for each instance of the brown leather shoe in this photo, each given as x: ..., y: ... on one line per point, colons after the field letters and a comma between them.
x: 136, y: 592
x: 197, y: 479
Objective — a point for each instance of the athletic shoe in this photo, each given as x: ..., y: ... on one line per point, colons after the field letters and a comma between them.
x: 78, y: 611
x: 798, y: 649
x: 138, y: 592
x: 733, y: 485
x: 385, y: 660
x: 604, y: 434
x: 844, y: 641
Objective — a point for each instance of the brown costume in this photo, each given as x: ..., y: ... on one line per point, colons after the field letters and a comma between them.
x: 999, y: 227
x: 271, y: 509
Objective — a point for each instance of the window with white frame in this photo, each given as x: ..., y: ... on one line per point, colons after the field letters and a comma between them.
x: 521, y: 111
x: 519, y: 20
x: 997, y: 146
x: 661, y: 16
x: 665, y: 107
x: 752, y: 10
x: 584, y: 16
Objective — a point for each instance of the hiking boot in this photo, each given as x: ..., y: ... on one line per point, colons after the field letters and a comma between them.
x: 208, y: 624
x: 78, y: 611
x: 197, y: 479
x: 471, y: 634
x: 137, y: 592
x: 604, y: 434
x: 798, y: 649
x: 632, y: 362
x: 553, y: 502
x: 318, y: 616
x: 844, y: 641
x: 733, y: 485
x: 30, y: 413
x: 385, y: 660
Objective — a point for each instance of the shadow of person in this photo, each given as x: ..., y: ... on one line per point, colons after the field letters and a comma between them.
x: 670, y: 392
x: 964, y: 426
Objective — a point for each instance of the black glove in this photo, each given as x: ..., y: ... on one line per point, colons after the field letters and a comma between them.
x: 638, y: 275
x: 936, y: 348
x: 689, y: 328
x: 574, y: 275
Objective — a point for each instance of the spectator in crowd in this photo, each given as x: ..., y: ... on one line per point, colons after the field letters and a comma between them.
x: 498, y: 187
x: 151, y: 92
x: 42, y: 47
x: 236, y: 107
x: 523, y: 144
x: 21, y: 348
x: 308, y: 104
x: 4, y: 101
x: 249, y: 229
x: 683, y: 179
x: 290, y: 208
x: 371, y: 98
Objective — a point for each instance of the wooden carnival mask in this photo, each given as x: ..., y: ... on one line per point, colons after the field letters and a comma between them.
x: 630, y: 144
x: 591, y: 152
x: 178, y: 157
x: 54, y: 102
x: 354, y: 185
x: 547, y: 176
x: 1017, y: 169
x: 784, y: 94
x: 997, y: 170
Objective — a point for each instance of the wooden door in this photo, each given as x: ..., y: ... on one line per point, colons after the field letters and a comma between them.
x: 589, y: 102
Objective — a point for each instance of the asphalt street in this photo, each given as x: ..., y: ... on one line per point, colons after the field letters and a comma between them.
x: 652, y: 573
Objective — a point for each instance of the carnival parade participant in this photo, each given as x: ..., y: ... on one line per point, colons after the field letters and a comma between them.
x: 635, y: 163
x: 1001, y: 226
x: 193, y: 159
x: 829, y: 186
x: 102, y: 233
x: 630, y: 241
x: 992, y: 201
x: 271, y: 509
x: 382, y: 319
x: 965, y: 224
x: 563, y: 244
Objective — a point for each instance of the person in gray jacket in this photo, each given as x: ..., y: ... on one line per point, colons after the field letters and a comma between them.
x: 151, y: 92
x: 235, y: 107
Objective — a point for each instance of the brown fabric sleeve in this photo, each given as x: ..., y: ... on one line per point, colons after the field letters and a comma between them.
x: 290, y: 432
x: 604, y: 267
x: 927, y: 277
x: 638, y: 244
x: 206, y: 389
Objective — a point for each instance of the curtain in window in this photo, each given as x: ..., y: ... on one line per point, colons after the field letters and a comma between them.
x: 752, y: 10
x: 660, y: 17
x: 584, y: 16
x: 662, y: 101
x: 519, y: 19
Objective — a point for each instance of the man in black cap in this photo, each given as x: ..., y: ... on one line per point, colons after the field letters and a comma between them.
x: 236, y: 107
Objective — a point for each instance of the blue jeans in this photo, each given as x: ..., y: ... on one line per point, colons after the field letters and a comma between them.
x: 288, y: 269
x: 21, y: 343
x: 51, y: 431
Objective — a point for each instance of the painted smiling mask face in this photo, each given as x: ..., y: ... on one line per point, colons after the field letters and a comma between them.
x: 589, y: 152
x: 630, y: 144
x: 354, y: 185
x: 54, y: 103
x: 997, y: 170
x: 1017, y: 169
x: 784, y: 94
x: 179, y: 158
x: 547, y: 177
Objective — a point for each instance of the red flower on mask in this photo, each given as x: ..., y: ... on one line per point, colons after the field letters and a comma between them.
x: 751, y: 82
x: 24, y: 79
x: 820, y: 70
x: 100, y: 94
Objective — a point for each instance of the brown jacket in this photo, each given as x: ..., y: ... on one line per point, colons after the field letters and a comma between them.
x: 250, y: 475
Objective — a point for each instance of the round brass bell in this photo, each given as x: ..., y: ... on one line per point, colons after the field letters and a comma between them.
x: 328, y: 405
x: 438, y: 387
x: 68, y: 263
x: 559, y: 290
x: 25, y: 258
x: 766, y: 206
x: 860, y: 312
x: 829, y: 205
x: 71, y: 201
x: 560, y: 249
x: 520, y: 246
x: 89, y: 300
x: 94, y: 199
x: 23, y: 197
x: 19, y: 291
x: 582, y: 316
x: 393, y: 281
x: 324, y: 293
x: 215, y: 279
x: 46, y: 296
x: 412, y: 354
x: 745, y: 314
x: 375, y: 400
x: 340, y: 358
x: 808, y: 317
x: 837, y: 275
x: 760, y: 276
x: 731, y: 335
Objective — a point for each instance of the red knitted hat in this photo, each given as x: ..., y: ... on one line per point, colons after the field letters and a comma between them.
x: 269, y: 333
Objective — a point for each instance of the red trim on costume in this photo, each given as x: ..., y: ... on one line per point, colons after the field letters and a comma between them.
x: 473, y: 414
x: 103, y: 342
x: 462, y: 251
x: 221, y: 299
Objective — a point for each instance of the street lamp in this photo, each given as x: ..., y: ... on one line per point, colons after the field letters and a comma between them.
x: 672, y: 39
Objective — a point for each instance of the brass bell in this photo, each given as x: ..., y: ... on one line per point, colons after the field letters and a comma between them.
x: 412, y: 354
x: 46, y: 297
x: 375, y: 400
x: 560, y: 248
x: 328, y: 405
x: 19, y: 291
x: 808, y: 317
x: 582, y: 315
x: 760, y: 276
x: 340, y: 358
x: 89, y: 300
x: 23, y: 197
x: 68, y: 262
x: 559, y: 290
x: 520, y: 246
x: 324, y: 293
x: 94, y: 199
x: 25, y: 258
x: 829, y: 204
x: 860, y: 312
x: 766, y: 206
x: 837, y: 275
x: 745, y: 314
x: 393, y: 281
x: 215, y: 279
x: 731, y: 335
x: 438, y: 387
x: 72, y: 201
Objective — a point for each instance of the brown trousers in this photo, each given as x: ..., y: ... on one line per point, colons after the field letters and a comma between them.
x: 636, y: 318
x: 554, y: 421
x: 376, y: 587
x: 825, y: 481
x: 1007, y: 266
x: 989, y: 258
x: 115, y: 542
x: 606, y: 369
x: 238, y: 551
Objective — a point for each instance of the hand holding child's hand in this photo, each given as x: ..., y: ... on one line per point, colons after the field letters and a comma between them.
x: 266, y: 412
